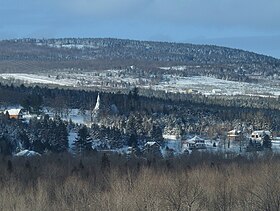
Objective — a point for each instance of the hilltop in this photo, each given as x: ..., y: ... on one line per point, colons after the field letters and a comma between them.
x: 86, y: 54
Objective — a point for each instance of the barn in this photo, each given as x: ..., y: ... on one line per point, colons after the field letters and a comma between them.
x: 14, y: 113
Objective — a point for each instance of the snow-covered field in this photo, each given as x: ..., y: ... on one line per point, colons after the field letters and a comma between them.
x: 40, y: 79
x: 75, y: 115
x: 118, y: 79
x: 214, y: 86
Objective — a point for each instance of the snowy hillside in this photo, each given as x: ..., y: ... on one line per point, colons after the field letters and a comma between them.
x: 117, y: 80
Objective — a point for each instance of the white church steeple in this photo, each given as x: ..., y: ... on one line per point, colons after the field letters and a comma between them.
x: 97, y: 105
x: 95, y: 112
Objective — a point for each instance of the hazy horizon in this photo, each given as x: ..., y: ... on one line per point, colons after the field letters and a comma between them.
x: 252, y: 25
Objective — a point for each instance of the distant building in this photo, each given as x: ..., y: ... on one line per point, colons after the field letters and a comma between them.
x: 188, y: 145
x: 234, y: 135
x: 96, y: 111
x: 194, y: 143
x: 216, y: 91
x: 14, y: 113
x: 97, y: 105
x: 192, y: 91
x: 259, y: 140
x: 258, y: 135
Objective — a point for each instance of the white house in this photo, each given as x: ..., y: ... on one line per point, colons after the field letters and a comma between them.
x: 194, y: 143
x: 259, y: 134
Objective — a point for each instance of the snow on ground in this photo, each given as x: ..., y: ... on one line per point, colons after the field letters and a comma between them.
x: 276, y: 144
x: 203, y: 84
x: 30, y: 78
x: 174, y: 144
x: 169, y: 137
x: 221, y: 147
x: 184, y: 67
x: 75, y: 115
x: 206, y: 85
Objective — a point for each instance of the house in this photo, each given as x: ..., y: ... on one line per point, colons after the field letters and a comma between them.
x: 152, y: 149
x: 14, y: 113
x: 234, y: 135
x: 188, y: 145
x: 192, y: 91
x: 216, y: 91
x: 194, y: 143
x: 258, y: 135
x: 260, y: 139
x: 199, y: 142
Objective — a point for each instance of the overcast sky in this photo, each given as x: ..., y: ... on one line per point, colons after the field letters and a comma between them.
x: 248, y: 24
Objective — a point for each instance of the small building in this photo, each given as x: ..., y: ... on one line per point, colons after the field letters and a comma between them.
x: 188, y: 145
x: 216, y: 91
x: 192, y: 91
x: 14, y: 113
x: 96, y: 111
x: 258, y: 135
x: 199, y: 142
x: 194, y: 143
x: 259, y: 140
x: 234, y: 135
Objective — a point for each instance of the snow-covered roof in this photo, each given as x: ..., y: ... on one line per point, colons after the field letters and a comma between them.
x: 168, y: 136
x: 190, y: 142
x: 150, y: 143
x: 27, y: 153
x: 258, y: 132
x: 97, y: 105
x: 13, y: 111
x: 234, y: 133
x: 196, y: 138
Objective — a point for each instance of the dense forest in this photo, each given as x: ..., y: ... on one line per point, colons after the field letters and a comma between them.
x: 126, y: 119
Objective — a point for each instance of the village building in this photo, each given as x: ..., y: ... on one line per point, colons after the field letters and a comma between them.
x: 14, y: 113
x: 259, y: 140
x: 194, y: 143
x: 216, y: 91
x: 192, y: 91
x: 234, y: 135
x: 96, y: 111
x: 258, y: 135
x: 188, y: 145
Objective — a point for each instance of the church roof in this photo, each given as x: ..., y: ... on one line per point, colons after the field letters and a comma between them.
x: 97, y: 105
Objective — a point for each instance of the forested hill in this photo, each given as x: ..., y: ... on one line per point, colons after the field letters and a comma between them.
x: 23, y: 54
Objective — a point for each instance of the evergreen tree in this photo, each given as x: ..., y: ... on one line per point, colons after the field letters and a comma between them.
x: 83, y: 142
x: 156, y: 134
x: 132, y: 141
x: 5, y: 146
x: 266, y: 141
x: 60, y: 141
x: 24, y: 140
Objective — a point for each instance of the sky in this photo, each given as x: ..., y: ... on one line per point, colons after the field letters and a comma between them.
x: 252, y: 25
